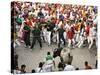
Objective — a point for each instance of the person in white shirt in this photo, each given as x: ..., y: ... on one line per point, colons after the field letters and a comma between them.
x: 71, y: 16
x: 55, y: 33
x: 81, y: 37
x: 69, y: 67
x: 59, y: 24
x: 17, y: 71
x: 44, y: 30
x: 48, y: 35
x: 92, y: 36
x: 43, y: 11
x: 49, y: 63
x: 47, y: 67
x: 40, y: 68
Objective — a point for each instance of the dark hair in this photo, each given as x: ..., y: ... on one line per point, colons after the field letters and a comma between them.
x: 61, y: 65
x: 77, y: 68
x: 86, y: 63
x: 17, y: 67
x: 69, y: 63
x: 33, y: 71
x: 80, y: 20
x: 48, y: 53
x: 40, y: 64
x: 23, y: 65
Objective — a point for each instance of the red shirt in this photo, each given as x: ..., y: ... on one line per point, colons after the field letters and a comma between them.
x: 29, y: 22
x: 70, y: 35
x: 87, y: 30
x: 34, y: 20
x: 88, y: 67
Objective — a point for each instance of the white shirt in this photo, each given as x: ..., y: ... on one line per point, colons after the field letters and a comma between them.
x: 36, y: 12
x: 47, y: 68
x: 92, y: 32
x: 67, y: 26
x: 71, y: 16
x: 47, y: 17
x: 64, y: 15
x: 44, y: 12
x: 69, y: 68
x: 60, y: 23
x: 95, y: 21
x: 39, y: 70
x: 30, y: 13
x: 17, y: 72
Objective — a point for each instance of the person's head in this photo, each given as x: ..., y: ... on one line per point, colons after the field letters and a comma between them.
x: 40, y: 64
x: 33, y: 71
x: 90, y: 25
x: 77, y: 68
x: 17, y: 68
x: 80, y: 21
x: 69, y: 63
x: 85, y: 63
x: 23, y: 67
x: 48, y: 53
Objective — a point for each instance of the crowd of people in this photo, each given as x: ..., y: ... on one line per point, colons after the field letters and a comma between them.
x: 49, y: 66
x: 65, y: 25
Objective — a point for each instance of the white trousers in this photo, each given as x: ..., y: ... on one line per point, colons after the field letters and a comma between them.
x: 90, y: 41
x: 65, y: 36
x: 45, y: 37
x: 16, y: 43
x: 77, y: 37
x: 80, y: 42
x: 54, y: 38
x: 48, y: 35
x: 71, y: 41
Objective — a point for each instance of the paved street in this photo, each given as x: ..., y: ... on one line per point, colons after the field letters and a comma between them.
x: 32, y: 58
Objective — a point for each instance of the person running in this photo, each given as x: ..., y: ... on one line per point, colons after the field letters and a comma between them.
x: 26, y: 30
x: 61, y: 35
x: 92, y: 35
x: 36, y: 36
x: 70, y: 36
x: 81, y: 37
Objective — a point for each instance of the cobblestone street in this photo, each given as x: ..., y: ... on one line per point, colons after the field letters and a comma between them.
x: 32, y: 58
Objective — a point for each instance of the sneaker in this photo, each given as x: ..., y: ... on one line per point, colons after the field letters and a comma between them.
x: 29, y: 47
